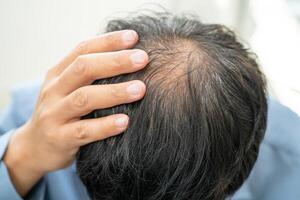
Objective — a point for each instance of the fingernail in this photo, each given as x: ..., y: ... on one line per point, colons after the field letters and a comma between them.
x: 138, y: 58
x: 129, y: 37
x: 121, y: 122
x: 134, y: 89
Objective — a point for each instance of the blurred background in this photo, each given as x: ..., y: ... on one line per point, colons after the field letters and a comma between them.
x: 35, y: 34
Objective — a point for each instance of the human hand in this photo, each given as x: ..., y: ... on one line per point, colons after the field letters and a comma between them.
x: 52, y: 137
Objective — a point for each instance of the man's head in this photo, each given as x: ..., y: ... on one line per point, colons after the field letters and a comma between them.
x: 196, y: 133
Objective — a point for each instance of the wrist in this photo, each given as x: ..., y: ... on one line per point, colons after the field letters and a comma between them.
x: 20, y: 161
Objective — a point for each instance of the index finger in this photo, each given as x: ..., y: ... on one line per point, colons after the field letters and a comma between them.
x: 112, y: 41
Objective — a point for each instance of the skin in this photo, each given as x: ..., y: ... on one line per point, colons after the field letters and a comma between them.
x: 51, y: 138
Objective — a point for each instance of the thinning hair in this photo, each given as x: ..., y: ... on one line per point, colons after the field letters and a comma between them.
x: 197, y: 131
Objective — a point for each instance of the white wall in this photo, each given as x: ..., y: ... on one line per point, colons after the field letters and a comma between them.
x: 276, y: 40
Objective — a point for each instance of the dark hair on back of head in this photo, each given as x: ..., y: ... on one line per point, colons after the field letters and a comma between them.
x: 197, y: 131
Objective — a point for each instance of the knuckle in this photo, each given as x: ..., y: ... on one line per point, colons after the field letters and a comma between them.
x: 117, y: 59
x: 80, y: 98
x: 82, y: 48
x: 44, y: 117
x: 80, y: 132
x: 116, y: 93
x: 45, y: 93
x: 52, y: 139
x: 109, y: 39
x: 58, y: 82
x: 81, y: 66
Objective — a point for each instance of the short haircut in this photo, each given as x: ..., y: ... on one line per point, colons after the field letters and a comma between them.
x: 197, y: 131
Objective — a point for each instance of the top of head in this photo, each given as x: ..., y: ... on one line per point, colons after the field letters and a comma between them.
x: 196, y: 133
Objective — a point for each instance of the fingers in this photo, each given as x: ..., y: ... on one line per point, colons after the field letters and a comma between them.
x: 86, y: 99
x: 85, y: 69
x: 86, y: 131
x: 103, y: 43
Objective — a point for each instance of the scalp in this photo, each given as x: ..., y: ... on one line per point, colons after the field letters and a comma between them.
x: 196, y: 132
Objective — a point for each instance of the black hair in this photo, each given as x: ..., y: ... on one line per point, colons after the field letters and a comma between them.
x: 197, y: 131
